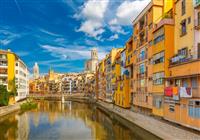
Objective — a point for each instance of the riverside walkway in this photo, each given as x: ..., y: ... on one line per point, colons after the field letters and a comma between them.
x: 159, y: 128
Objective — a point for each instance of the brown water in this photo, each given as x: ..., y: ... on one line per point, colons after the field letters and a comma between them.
x: 69, y: 121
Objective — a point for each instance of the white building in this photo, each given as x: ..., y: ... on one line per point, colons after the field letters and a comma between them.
x: 21, y: 80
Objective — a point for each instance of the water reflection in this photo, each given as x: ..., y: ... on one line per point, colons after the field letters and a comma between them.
x: 72, y: 120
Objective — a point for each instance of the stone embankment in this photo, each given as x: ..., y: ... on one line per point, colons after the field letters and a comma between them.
x: 161, y: 129
x: 5, y: 110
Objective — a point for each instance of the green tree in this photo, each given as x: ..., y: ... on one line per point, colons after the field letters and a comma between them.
x: 4, y: 95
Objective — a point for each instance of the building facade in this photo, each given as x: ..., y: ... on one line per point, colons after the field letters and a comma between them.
x: 14, y: 75
x: 158, y: 71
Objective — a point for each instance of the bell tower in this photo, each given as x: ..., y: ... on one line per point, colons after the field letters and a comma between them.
x: 94, y: 55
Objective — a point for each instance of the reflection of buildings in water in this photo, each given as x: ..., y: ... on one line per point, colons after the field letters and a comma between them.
x: 8, y: 128
x: 23, y: 126
x: 36, y: 118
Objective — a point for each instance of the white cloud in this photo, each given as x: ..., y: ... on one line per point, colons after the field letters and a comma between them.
x: 6, y: 37
x: 127, y: 11
x: 113, y: 37
x: 92, y: 28
x: 117, y: 29
x: 92, y: 13
x: 49, y: 33
x: 73, y: 52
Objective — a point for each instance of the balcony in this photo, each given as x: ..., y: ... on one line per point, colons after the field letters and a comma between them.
x: 142, y: 58
x: 178, y: 59
x: 194, y: 91
x: 185, y: 68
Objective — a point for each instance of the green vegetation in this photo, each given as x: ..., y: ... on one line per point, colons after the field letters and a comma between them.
x: 4, y: 96
x: 28, y: 105
x: 12, y: 87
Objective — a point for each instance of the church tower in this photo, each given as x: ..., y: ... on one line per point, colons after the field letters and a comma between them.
x: 94, y: 55
x: 36, y: 71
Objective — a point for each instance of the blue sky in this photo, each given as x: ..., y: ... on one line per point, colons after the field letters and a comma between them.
x: 61, y: 33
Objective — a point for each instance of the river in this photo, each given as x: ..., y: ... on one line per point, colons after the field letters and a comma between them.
x: 53, y: 120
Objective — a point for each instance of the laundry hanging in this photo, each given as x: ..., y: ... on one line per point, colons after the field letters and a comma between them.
x: 185, y: 92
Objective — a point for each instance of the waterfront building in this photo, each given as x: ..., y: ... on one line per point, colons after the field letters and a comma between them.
x: 142, y: 42
x: 101, y: 91
x: 36, y: 71
x: 109, y: 60
x: 90, y: 65
x: 182, y: 92
x: 122, y: 79
x: 162, y: 51
x: 21, y: 79
x: 14, y: 75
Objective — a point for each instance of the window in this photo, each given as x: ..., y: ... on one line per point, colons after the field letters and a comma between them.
x: 189, y: 20
x: 142, y: 54
x: 183, y: 52
x: 171, y: 107
x: 178, y: 82
x: 194, y: 108
x: 185, y: 83
x: 158, y: 78
x: 142, y: 68
x: 142, y: 82
x: 159, y: 38
x: 157, y: 101
x: 183, y: 28
x: 158, y: 58
x: 194, y: 82
x: 183, y: 7
x: 3, y: 56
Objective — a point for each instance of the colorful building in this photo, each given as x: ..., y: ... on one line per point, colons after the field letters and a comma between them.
x: 109, y: 60
x: 142, y: 42
x: 182, y: 92
x: 14, y: 75
x: 158, y: 71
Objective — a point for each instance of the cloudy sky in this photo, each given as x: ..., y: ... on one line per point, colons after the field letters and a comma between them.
x: 61, y: 33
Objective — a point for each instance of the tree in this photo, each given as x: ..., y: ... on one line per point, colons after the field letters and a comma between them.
x: 4, y: 96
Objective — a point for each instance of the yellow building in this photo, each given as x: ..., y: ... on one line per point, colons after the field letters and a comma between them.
x: 109, y: 60
x: 162, y: 50
x: 182, y: 92
x: 101, y: 80
x: 142, y: 42
x: 122, y: 93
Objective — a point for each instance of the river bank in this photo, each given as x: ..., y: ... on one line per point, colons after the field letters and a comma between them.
x: 158, y: 128
x: 5, y: 110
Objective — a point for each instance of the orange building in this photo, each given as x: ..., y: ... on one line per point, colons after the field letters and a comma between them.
x: 182, y: 92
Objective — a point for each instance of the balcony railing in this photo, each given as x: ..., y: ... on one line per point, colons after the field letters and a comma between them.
x: 178, y: 59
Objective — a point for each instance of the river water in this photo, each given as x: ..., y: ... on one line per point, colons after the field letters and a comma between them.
x: 53, y: 120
